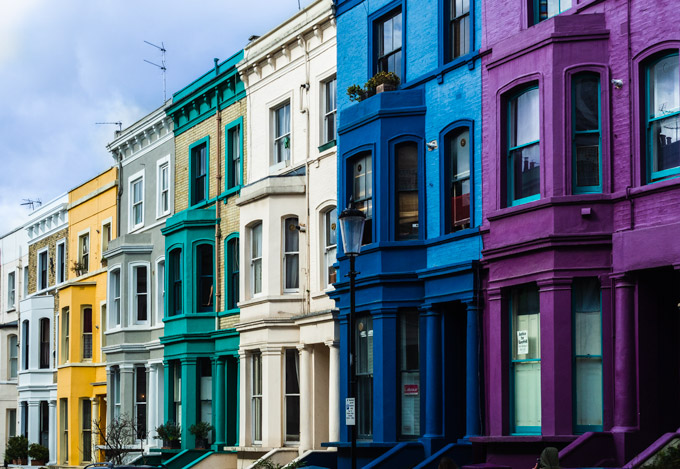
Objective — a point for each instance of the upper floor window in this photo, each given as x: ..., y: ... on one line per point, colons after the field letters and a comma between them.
x: 45, y: 333
x: 114, y: 297
x: 137, y: 203
x: 140, y: 294
x: 234, y: 157
x: 42, y: 270
x: 175, y: 282
x: 199, y: 173
x: 291, y: 254
x: 61, y: 262
x: 87, y: 333
x: 329, y: 110
x: 362, y: 191
x: 163, y: 188
x: 232, y: 273
x: 389, y: 38
x: 544, y: 9
x: 13, y: 354
x: 204, y: 267
x: 25, y: 342
x: 459, y: 28
x: 84, y: 252
x: 256, y: 259
x: 282, y: 133
x: 330, y: 222
x: 407, y: 190
x: 26, y: 275
x: 586, y: 135
x: 11, y: 290
x: 523, y: 154
x: 160, y: 290
x: 663, y: 118
x: 458, y: 159
x: 65, y: 335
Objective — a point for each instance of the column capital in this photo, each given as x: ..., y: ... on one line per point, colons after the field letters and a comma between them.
x: 384, y: 313
x: 33, y: 403
x: 428, y: 309
x: 188, y: 361
x: 554, y: 283
x: 622, y: 280
x: 494, y: 294
x: 126, y: 368
x: 268, y: 350
x: 52, y: 403
x: 332, y: 343
x: 471, y: 304
x: 303, y: 348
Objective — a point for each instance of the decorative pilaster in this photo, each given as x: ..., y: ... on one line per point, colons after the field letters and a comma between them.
x: 245, y: 435
x: 473, y: 423
x: 219, y: 388
x: 333, y: 391
x: 93, y: 426
x: 433, y: 383
x: 272, y: 415
x: 625, y: 398
x: 52, y: 406
x: 33, y: 424
x: 306, y: 399
x: 498, y: 361
x: 169, y: 379
x: 190, y: 383
x: 127, y: 389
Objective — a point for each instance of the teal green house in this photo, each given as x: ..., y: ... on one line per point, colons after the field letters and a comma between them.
x: 200, y: 342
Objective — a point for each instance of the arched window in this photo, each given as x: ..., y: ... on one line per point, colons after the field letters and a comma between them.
x: 457, y: 189
x: 586, y: 133
x: 204, y: 280
x: 330, y: 242
x: 233, y: 268
x: 24, y: 344
x: 291, y: 254
x: 13, y: 354
x: 406, y: 184
x: 45, y: 343
x: 175, y: 283
x: 523, y: 147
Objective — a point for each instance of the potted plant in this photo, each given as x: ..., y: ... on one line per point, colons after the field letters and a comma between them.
x: 17, y: 450
x: 171, y: 434
x: 78, y: 268
x: 38, y: 454
x: 383, y: 81
x: 201, y: 430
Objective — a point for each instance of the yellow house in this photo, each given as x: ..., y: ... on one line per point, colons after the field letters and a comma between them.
x: 81, y: 375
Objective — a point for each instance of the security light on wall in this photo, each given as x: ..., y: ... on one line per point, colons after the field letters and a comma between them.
x: 431, y: 145
x: 618, y: 84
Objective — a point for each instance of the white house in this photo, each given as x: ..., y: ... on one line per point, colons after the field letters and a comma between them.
x: 288, y: 335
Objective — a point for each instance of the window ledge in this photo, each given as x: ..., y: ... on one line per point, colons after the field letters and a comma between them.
x: 135, y: 229
x: 327, y: 145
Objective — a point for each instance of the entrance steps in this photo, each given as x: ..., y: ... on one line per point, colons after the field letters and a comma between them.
x: 666, y: 440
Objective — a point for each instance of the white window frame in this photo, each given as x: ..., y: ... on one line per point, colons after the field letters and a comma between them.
x: 81, y: 235
x: 115, y: 391
x: 160, y: 291
x: 275, y: 165
x: 11, y: 290
x: 26, y: 275
x: 47, y: 269
x: 61, y: 242
x: 325, y: 113
x: 110, y: 308
x: 160, y: 164
x: 285, y: 254
x: 104, y: 321
x: 287, y: 395
x: 83, y: 334
x: 132, y: 305
x: 253, y: 260
x: 14, y: 357
x: 327, y: 248
x: 104, y: 246
x: 146, y: 395
x: 132, y: 180
x: 254, y: 397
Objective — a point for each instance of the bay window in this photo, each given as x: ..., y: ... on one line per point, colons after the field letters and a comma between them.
x: 204, y: 280
x: 457, y: 170
x: 291, y: 254
x: 523, y: 148
x: 407, y: 200
x: 586, y: 134
x: 256, y: 259
x: 362, y: 191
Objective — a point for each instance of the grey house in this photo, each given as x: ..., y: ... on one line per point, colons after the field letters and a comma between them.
x: 145, y: 154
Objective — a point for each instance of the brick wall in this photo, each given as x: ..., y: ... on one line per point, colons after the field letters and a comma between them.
x: 51, y: 243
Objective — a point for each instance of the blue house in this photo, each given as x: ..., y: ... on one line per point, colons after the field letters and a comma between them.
x: 411, y: 160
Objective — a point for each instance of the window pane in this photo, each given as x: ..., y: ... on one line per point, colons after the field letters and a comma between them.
x: 524, y: 118
x: 665, y: 87
x: 141, y: 293
x: 291, y: 234
x: 665, y: 142
x: 587, y: 148
x: 205, y: 277
x: 257, y: 276
x: 588, y: 391
x: 586, y: 102
x: 409, y: 362
x: 364, y: 369
x: 256, y: 246
x: 292, y: 372
x: 525, y: 169
x: 407, y: 191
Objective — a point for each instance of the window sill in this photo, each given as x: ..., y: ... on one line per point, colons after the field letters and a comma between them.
x: 327, y: 145
x: 229, y: 312
x: 135, y: 229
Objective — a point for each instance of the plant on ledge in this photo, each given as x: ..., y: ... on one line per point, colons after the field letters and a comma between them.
x: 170, y: 433
x: 201, y: 430
x: 380, y: 82
x: 78, y: 268
x: 38, y: 454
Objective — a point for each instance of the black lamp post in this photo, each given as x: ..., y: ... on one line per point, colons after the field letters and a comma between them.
x: 352, y: 229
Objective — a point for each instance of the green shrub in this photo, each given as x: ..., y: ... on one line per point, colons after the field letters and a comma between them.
x: 17, y: 448
x: 38, y: 452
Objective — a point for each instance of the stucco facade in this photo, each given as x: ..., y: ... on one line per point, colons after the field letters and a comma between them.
x: 13, y: 261
x: 145, y: 155
x: 577, y: 249
x: 47, y: 233
x: 81, y: 372
x: 288, y: 331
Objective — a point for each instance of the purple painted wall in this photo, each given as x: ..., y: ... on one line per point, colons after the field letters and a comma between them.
x: 627, y: 235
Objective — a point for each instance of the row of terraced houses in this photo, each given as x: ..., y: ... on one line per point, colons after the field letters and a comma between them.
x: 518, y: 282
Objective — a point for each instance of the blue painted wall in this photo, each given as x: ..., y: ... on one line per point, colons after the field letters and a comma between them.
x: 438, y: 273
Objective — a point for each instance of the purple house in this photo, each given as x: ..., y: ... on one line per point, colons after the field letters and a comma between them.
x: 581, y: 230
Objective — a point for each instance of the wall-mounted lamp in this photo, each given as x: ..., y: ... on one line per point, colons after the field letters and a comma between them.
x: 618, y: 84
x: 431, y: 145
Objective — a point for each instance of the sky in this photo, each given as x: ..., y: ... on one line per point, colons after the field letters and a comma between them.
x: 67, y: 64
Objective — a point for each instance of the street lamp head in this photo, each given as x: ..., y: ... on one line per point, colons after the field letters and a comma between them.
x: 352, y: 229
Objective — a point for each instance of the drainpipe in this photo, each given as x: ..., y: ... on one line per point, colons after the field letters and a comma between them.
x: 630, y: 117
x: 218, y: 230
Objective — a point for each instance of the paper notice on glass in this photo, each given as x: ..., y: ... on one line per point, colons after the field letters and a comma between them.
x: 522, y: 342
x: 350, y: 414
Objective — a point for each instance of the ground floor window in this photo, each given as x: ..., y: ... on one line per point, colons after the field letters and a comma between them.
x: 140, y: 401
x: 63, y: 417
x: 87, y: 429
x: 11, y: 422
x: 587, y: 355
x: 44, y: 424
x: 177, y: 393
x: 409, y: 369
x: 525, y: 366
x: 24, y: 418
x: 364, y: 376
x: 292, y: 394
x: 256, y: 396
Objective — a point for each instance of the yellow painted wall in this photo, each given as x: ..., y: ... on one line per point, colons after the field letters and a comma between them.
x: 90, y: 205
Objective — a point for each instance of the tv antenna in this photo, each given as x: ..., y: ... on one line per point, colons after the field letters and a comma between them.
x: 31, y: 203
x: 161, y: 66
x: 119, y: 124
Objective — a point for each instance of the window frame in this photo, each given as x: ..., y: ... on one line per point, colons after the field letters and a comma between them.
x: 138, y: 177
x: 328, y: 248
x: 275, y: 138
x: 160, y: 291
x: 351, y: 160
x: 65, y: 335
x: 161, y: 164
x: 12, y: 356
x: 375, y: 20
x: 84, y: 334
x: 115, y: 312
x: 285, y: 255
x: 573, y: 132
x: 232, y: 246
x: 44, y: 347
x: 453, y: 130
x: 647, y: 64
x: 107, y: 228
x: 327, y: 142
x: 393, y: 145
x: 256, y: 375
x: 446, y: 52
x: 133, y: 319
x: 197, y: 283
x: 253, y: 260
x: 535, y: 9
x: 402, y: 321
x: 229, y: 183
x: 507, y: 161
x: 38, y: 281
x: 290, y: 395
x: 11, y: 290
x: 114, y: 372
x: 192, y: 177
x: 174, y: 274
x: 368, y: 376
x: 25, y: 344
x: 82, y: 235
x: 61, y: 264
x: 86, y: 403
x: 141, y: 432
